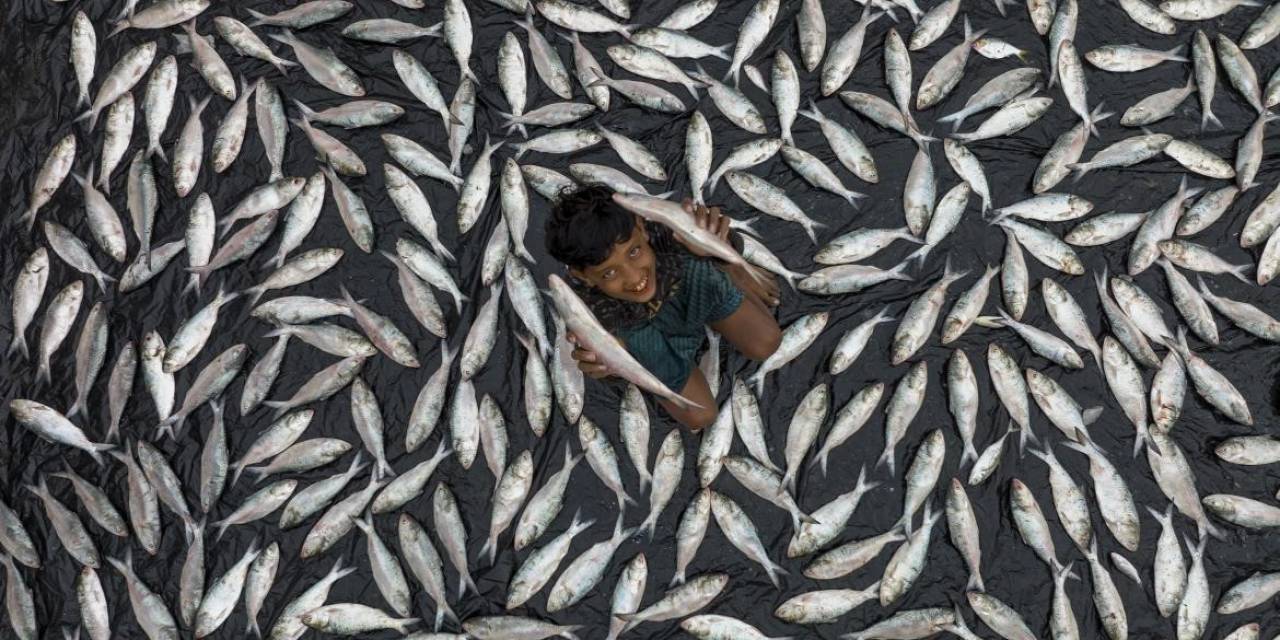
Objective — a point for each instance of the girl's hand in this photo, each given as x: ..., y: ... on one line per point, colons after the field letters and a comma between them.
x: 767, y: 291
x: 587, y: 360
x: 709, y: 218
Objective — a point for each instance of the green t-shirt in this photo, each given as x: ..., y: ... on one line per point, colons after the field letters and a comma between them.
x: 667, y: 344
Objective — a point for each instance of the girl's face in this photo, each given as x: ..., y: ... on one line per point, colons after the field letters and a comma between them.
x: 628, y: 272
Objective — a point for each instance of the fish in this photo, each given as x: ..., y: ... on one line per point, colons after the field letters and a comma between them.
x: 1239, y: 71
x: 508, y: 496
x: 316, y: 496
x: 1112, y: 493
x: 592, y: 337
x: 1011, y: 118
x: 148, y: 607
x: 585, y: 572
x: 909, y: 623
x: 28, y: 290
x: 68, y: 527
x: 627, y: 593
x: 945, y: 74
x: 850, y: 150
x: 543, y: 505
x: 904, y: 404
x: 352, y: 618
x: 603, y: 460
x: 854, y: 342
x: 578, y: 18
x: 126, y: 73
x: 453, y: 535
x: 742, y: 534
x: 389, y: 31
x: 845, y: 53
x: 94, y: 614
x: 95, y: 502
x: 53, y: 426
x: 542, y: 563
x: 967, y: 306
x: 754, y: 29
x: 546, y: 61
x: 221, y: 596
x: 288, y: 625
x: 209, y: 64
x: 1157, y: 106
x: 667, y: 468
x: 323, y: 65
x: 689, y: 14
x: 708, y: 626
x: 1195, y: 608
x: 1248, y: 593
x: 498, y: 627
x: 907, y: 563
x: 921, y: 316
x: 1123, y: 58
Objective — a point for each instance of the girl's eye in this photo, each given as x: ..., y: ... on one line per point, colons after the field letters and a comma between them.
x: 608, y: 275
x: 635, y: 252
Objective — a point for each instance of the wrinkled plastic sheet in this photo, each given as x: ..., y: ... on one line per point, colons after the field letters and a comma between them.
x: 37, y: 107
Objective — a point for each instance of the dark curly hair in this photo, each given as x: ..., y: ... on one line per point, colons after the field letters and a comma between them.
x: 585, y: 224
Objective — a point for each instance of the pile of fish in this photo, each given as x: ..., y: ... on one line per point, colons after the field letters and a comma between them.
x: 267, y: 275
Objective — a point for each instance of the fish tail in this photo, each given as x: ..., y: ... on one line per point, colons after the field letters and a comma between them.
x: 649, y: 524
x: 774, y: 571
x: 734, y: 70
x: 975, y: 583
x: 259, y: 17
x: 42, y: 374
x: 820, y: 461
x: 96, y: 449
x: 970, y: 453
x: 154, y: 148
x: 19, y: 345
x: 1025, y: 435
x: 282, y: 66
x: 490, y: 548
x: 77, y: 407
x: 440, y: 249
x: 1207, y: 119
x: 1139, y: 440
x: 886, y: 458
x: 1239, y: 270
x: 467, y: 582
x: 919, y: 254
x: 722, y: 52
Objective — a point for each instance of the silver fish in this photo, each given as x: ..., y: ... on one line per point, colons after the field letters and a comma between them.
x: 148, y: 607
x: 845, y: 53
x: 323, y: 65
x: 547, y: 62
x: 509, y: 495
x: 967, y: 306
x: 288, y: 625
x: 908, y: 396
x: 126, y: 73
x: 543, y: 506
